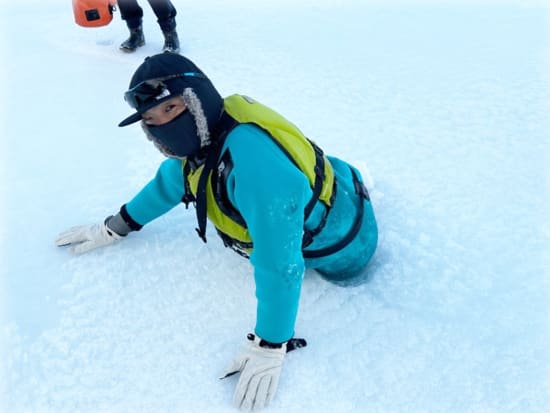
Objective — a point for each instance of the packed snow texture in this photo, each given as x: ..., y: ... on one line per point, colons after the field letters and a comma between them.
x: 443, y: 105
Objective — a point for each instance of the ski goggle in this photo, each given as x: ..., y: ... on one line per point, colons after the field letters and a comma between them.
x: 154, y: 89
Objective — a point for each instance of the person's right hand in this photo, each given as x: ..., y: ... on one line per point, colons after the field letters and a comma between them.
x: 87, y: 237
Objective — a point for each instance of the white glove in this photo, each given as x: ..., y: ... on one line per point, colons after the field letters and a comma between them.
x: 87, y: 237
x: 260, y: 367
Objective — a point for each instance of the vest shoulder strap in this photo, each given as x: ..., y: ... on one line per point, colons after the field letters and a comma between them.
x: 303, y: 152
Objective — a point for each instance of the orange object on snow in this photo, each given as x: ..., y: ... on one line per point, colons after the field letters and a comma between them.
x: 93, y: 13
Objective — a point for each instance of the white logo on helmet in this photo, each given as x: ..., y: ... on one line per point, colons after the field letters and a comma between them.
x: 164, y: 94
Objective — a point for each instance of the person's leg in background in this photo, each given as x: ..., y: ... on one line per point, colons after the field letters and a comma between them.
x: 132, y: 14
x: 166, y: 18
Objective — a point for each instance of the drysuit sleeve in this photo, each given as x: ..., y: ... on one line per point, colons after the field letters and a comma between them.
x: 271, y: 194
x: 159, y: 196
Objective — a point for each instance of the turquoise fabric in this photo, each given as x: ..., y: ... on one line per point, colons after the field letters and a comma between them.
x: 160, y: 195
x: 271, y: 194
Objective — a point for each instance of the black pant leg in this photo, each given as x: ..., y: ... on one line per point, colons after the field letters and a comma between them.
x: 165, y: 12
x: 130, y: 12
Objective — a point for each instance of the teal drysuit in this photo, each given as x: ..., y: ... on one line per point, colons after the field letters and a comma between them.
x: 271, y: 193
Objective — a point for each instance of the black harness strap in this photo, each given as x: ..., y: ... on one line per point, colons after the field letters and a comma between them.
x: 309, y: 234
x: 223, y: 127
x: 360, y: 190
x: 188, y: 196
x: 319, y: 179
x: 219, y: 185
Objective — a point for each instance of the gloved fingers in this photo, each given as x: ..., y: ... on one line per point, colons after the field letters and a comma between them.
x: 247, y: 392
x: 263, y: 394
x: 71, y: 236
x: 273, y: 383
x: 241, y: 390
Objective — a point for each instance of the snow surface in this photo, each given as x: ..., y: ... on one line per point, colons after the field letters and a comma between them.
x: 444, y: 104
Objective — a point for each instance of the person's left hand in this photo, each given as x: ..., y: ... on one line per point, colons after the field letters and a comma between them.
x: 88, y: 237
x: 260, y: 367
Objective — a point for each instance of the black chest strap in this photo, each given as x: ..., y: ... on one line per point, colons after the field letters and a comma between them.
x: 223, y: 127
x: 363, y: 194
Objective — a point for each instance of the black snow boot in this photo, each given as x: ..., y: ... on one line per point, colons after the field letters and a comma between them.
x: 171, y: 42
x: 135, y: 40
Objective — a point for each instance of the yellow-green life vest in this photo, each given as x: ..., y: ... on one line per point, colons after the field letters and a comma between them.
x: 307, y: 156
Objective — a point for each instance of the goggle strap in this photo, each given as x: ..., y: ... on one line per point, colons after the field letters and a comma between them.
x: 155, y: 83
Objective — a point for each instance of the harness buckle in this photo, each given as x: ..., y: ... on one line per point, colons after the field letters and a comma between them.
x: 307, y: 239
x: 187, y: 199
